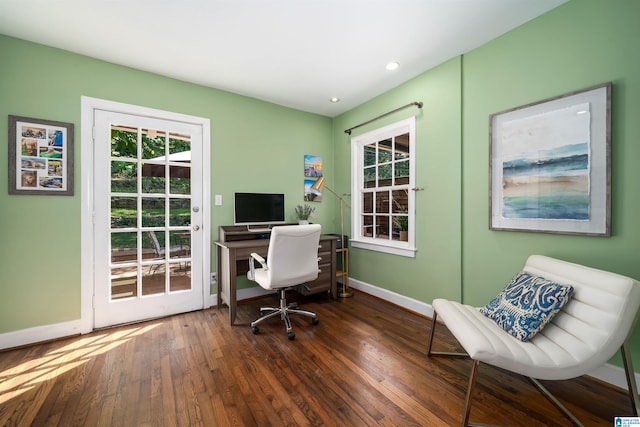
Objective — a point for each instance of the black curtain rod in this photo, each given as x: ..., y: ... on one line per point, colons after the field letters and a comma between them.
x: 417, y: 104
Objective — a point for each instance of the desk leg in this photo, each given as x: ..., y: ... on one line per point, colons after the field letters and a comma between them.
x: 220, y: 274
x: 231, y: 295
x: 227, y: 280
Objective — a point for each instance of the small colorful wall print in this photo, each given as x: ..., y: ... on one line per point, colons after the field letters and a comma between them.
x: 312, y: 166
x: 40, y: 156
x: 312, y: 171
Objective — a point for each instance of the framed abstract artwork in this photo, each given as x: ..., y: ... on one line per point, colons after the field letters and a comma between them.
x: 40, y: 157
x: 549, y: 165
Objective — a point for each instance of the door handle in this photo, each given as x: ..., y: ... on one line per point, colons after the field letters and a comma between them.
x: 196, y: 227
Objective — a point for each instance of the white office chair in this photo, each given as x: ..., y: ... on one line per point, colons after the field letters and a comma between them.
x: 586, y: 332
x: 292, y: 259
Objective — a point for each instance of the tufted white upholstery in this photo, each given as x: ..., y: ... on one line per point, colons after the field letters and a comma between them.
x: 586, y: 333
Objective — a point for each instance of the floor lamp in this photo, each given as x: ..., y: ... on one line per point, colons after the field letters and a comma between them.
x: 316, y: 189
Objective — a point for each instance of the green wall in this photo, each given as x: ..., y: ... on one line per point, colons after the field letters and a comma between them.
x: 435, y: 270
x: 255, y: 146
x: 578, y: 45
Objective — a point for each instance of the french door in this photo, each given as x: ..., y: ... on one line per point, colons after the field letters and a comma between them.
x: 148, y: 218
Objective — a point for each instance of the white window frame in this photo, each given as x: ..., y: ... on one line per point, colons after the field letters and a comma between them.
x: 358, y: 240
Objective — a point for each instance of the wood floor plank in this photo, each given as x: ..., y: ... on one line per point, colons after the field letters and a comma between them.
x: 363, y: 365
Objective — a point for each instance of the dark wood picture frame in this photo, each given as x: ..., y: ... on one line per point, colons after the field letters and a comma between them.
x: 40, y: 157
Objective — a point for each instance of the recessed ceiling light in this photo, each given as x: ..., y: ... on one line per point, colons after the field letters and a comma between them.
x: 334, y: 100
x: 392, y: 66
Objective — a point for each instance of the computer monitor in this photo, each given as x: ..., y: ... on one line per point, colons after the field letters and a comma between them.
x: 259, y: 208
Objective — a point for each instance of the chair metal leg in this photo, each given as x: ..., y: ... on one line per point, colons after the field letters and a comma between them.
x: 432, y: 333
x: 556, y: 402
x: 430, y: 342
x: 631, y: 378
x: 467, y: 400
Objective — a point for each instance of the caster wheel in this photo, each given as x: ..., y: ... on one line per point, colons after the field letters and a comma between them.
x: 315, y: 320
x: 291, y: 336
x: 255, y: 329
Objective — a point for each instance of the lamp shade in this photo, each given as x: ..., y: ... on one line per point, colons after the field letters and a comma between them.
x: 317, y: 186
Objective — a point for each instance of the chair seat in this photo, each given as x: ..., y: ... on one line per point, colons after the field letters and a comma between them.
x: 487, y: 342
x: 263, y: 277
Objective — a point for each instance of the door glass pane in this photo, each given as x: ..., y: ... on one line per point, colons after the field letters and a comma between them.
x: 180, y: 279
x: 124, y: 248
x: 124, y: 177
x: 178, y: 247
x: 124, y: 282
x: 124, y: 142
x: 153, y: 212
x: 179, y: 212
x: 180, y: 159
x: 153, y: 178
x: 153, y: 144
x: 180, y: 185
x: 153, y: 280
x: 123, y: 212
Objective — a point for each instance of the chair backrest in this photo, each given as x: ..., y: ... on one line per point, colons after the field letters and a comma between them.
x: 292, y: 257
x: 598, y: 319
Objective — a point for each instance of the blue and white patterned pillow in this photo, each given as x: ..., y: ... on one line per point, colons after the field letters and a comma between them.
x: 527, y: 304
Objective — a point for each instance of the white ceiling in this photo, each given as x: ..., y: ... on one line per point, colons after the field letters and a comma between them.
x: 296, y: 53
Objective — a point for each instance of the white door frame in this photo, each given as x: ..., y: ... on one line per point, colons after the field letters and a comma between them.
x: 88, y: 106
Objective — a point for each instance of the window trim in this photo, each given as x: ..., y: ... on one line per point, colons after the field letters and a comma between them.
x: 395, y: 247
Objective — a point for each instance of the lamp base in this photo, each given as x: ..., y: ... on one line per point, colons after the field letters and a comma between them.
x: 346, y: 293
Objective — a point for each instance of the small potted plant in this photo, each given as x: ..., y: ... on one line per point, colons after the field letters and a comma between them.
x: 402, y: 223
x: 304, y: 212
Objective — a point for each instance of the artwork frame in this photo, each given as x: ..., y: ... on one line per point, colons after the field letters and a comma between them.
x: 41, y: 154
x: 550, y: 165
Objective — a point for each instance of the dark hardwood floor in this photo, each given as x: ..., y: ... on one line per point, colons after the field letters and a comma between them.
x: 363, y: 365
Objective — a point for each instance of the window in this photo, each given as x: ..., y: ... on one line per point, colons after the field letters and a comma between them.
x: 383, y: 179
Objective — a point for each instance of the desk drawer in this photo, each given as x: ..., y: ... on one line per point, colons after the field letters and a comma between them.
x: 321, y: 284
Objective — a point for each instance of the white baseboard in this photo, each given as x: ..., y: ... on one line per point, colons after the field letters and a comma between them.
x: 608, y: 373
x: 40, y: 334
x: 75, y: 327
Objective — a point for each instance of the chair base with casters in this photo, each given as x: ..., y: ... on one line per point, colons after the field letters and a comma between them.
x: 585, y: 334
x: 283, y: 311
